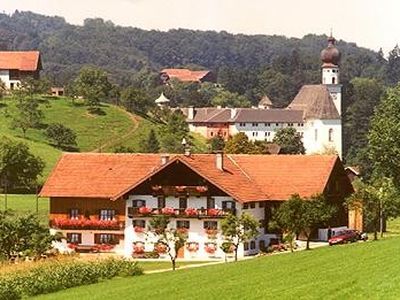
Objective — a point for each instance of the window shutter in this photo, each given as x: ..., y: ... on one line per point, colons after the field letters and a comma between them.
x: 97, y: 238
x: 80, y: 238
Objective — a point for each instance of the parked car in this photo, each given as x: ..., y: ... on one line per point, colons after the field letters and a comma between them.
x: 347, y: 236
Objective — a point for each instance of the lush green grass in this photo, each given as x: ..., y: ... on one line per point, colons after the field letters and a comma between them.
x: 94, y: 132
x: 166, y: 265
x: 358, y: 271
x: 26, y: 204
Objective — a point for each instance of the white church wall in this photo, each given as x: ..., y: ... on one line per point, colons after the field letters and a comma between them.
x: 317, y: 136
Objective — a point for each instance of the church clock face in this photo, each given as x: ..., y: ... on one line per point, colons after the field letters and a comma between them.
x: 334, y: 96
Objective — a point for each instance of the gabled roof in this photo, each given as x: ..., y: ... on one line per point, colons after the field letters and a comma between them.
x: 245, y: 177
x: 223, y: 115
x: 316, y: 102
x: 265, y: 101
x: 186, y: 74
x: 20, y: 60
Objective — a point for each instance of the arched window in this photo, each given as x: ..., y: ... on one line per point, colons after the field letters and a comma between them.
x: 330, y: 135
x: 333, y: 80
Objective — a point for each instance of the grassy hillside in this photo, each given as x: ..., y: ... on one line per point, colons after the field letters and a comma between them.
x: 94, y: 132
x: 357, y: 271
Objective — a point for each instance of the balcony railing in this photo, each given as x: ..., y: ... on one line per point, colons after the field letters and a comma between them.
x: 180, y: 213
x: 86, y: 224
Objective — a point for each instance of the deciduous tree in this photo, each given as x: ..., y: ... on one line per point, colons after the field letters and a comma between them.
x: 61, y: 135
x: 240, y: 229
x: 173, y: 238
x: 289, y: 140
x: 18, y: 166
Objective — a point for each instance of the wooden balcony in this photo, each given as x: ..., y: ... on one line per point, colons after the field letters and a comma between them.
x: 197, y: 190
x: 211, y: 213
x: 87, y: 224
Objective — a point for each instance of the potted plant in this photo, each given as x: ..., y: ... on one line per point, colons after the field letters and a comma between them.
x: 180, y: 188
x: 182, y: 231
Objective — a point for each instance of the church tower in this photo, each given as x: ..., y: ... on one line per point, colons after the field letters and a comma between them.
x: 330, y: 57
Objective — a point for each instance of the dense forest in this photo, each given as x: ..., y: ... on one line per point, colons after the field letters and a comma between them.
x: 247, y: 66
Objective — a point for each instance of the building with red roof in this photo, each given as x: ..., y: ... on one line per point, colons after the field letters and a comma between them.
x: 16, y: 65
x: 109, y: 198
x: 187, y: 75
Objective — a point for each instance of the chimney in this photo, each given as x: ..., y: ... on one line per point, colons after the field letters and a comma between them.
x: 233, y: 112
x: 164, y: 159
x: 190, y: 113
x: 219, y: 160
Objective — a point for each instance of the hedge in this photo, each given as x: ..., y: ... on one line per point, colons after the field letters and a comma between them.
x: 52, y: 277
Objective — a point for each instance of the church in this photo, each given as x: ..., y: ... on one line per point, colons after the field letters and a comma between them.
x: 315, y: 113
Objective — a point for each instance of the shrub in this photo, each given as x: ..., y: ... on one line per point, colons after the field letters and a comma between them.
x: 55, y: 276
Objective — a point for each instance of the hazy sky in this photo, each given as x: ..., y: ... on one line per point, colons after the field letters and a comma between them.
x: 369, y: 23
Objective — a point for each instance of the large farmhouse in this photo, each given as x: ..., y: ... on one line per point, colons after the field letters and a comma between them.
x: 315, y: 113
x: 16, y: 65
x: 109, y: 198
x: 187, y: 75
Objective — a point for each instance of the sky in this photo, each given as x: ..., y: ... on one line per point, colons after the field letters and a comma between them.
x: 369, y: 23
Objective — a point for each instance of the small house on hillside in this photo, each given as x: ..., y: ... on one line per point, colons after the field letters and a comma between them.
x: 187, y: 75
x: 98, y: 199
x: 17, y: 65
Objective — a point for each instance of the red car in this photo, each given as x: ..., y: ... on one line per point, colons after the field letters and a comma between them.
x: 345, y: 236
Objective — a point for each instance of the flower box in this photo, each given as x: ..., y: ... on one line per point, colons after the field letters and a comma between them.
x: 168, y: 211
x: 214, y: 212
x: 138, y: 248
x: 211, y: 232
x: 144, y: 210
x: 104, y: 247
x: 139, y: 229
x: 210, y: 248
x: 156, y: 188
x: 191, y: 211
x: 64, y: 223
x: 180, y: 188
x: 201, y: 188
x: 160, y: 248
x: 192, y: 246
x: 182, y: 231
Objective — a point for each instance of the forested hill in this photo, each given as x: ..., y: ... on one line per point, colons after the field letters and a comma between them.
x: 124, y: 50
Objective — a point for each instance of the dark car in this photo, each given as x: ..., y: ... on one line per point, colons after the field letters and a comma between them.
x: 346, y: 236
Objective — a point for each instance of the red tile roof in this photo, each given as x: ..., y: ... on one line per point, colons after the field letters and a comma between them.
x: 20, y: 60
x: 185, y: 74
x: 245, y: 177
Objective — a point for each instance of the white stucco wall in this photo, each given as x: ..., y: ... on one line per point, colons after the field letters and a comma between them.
x: 316, y: 136
x: 263, y: 131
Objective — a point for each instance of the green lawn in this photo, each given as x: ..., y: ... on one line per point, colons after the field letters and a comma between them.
x: 358, y: 271
x: 26, y: 204
x: 93, y: 131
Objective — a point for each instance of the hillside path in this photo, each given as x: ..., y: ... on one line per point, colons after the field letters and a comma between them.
x: 135, y: 121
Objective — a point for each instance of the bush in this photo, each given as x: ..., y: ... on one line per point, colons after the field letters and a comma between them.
x: 55, y: 276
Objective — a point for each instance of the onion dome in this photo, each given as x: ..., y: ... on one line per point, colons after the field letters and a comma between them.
x: 162, y: 100
x: 330, y: 55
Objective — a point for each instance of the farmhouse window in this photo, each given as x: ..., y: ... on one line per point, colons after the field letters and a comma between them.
x: 74, y: 238
x: 252, y: 205
x: 182, y: 224
x: 182, y: 202
x: 253, y: 245
x: 228, y: 204
x: 139, y: 223
x: 255, y: 124
x: 246, y: 246
x: 245, y: 206
x: 210, y: 225
x: 105, y: 238
x: 160, y: 201
x: 138, y: 203
x: 107, y: 214
x: 74, y: 213
x: 261, y: 204
x: 210, y: 202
